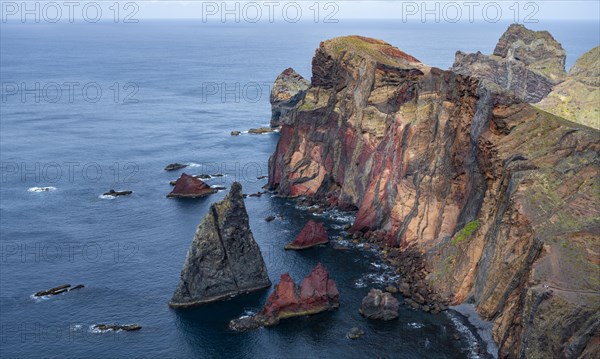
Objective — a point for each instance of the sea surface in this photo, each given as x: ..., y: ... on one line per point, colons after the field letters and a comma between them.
x: 91, y: 107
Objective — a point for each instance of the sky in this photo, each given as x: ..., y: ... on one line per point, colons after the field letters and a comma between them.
x: 521, y: 11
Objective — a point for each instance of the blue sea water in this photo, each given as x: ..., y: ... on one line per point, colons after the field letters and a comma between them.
x: 171, y: 91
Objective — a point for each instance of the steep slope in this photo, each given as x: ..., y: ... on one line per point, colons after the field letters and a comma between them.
x: 501, y: 199
x: 578, y: 97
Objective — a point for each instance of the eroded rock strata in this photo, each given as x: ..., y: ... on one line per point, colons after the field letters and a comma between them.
x: 318, y: 293
x: 224, y: 259
x: 499, y: 198
x: 525, y: 62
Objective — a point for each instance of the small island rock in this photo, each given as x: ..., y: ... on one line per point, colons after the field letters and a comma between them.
x: 313, y: 234
x: 190, y: 187
x: 379, y: 305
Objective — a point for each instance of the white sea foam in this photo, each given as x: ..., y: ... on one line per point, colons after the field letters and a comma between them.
x: 416, y: 325
x: 105, y: 196
x: 39, y: 299
x: 472, y: 342
x: 360, y: 283
x: 41, y: 189
x: 193, y: 164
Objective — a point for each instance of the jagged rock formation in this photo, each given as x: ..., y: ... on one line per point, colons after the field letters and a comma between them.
x: 224, y: 259
x: 500, y: 198
x: 313, y: 234
x: 525, y: 62
x: 288, y: 89
x: 188, y: 186
x: 318, y: 293
x: 379, y: 305
x: 578, y: 97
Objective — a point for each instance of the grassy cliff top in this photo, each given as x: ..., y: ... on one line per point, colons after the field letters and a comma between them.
x: 366, y: 47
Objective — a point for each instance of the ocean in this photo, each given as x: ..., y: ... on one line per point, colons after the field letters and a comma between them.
x: 87, y: 108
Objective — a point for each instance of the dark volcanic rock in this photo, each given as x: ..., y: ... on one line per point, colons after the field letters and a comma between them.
x: 527, y: 63
x: 188, y: 186
x: 260, y: 130
x: 318, y: 293
x: 224, y: 259
x: 58, y: 290
x: 379, y: 305
x: 288, y: 89
x: 313, y: 234
x: 175, y: 166
x: 114, y: 193
x: 235, y: 133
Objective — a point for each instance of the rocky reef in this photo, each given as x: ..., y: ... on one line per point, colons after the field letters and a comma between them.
x: 525, y: 62
x: 578, y: 97
x: 318, y: 293
x: 224, y: 259
x: 188, y: 186
x: 288, y: 89
x: 379, y: 305
x: 313, y: 234
x: 500, y: 199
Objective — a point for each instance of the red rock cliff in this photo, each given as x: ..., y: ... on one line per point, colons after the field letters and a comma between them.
x: 501, y: 199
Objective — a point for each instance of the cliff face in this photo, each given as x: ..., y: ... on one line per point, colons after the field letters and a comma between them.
x: 578, y: 97
x: 525, y: 62
x: 499, y: 197
x: 224, y: 259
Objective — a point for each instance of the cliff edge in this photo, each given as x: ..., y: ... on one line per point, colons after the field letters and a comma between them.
x: 500, y: 198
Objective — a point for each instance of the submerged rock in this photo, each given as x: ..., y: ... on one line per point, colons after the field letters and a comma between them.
x: 527, y: 63
x: 288, y: 89
x: 355, y: 333
x: 190, y: 187
x: 313, y: 234
x: 114, y: 193
x: 58, y: 290
x: 175, y: 166
x: 117, y: 327
x: 224, y: 259
x: 235, y: 133
x: 318, y: 293
x: 379, y: 305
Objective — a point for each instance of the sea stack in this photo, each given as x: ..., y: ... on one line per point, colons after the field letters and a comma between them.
x: 311, y: 235
x: 318, y: 293
x: 224, y: 259
x: 188, y: 186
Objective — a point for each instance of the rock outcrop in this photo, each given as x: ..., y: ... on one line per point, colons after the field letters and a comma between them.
x: 318, y: 293
x: 288, y: 89
x: 525, y: 62
x: 188, y: 186
x: 117, y: 327
x: 224, y: 259
x: 313, y: 234
x: 578, y: 97
x: 175, y: 166
x: 501, y: 199
x: 379, y: 305
x: 114, y: 193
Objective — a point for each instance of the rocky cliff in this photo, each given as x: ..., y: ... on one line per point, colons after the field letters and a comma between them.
x: 578, y: 97
x: 288, y: 89
x: 500, y: 198
x: 525, y: 62
x: 224, y: 259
